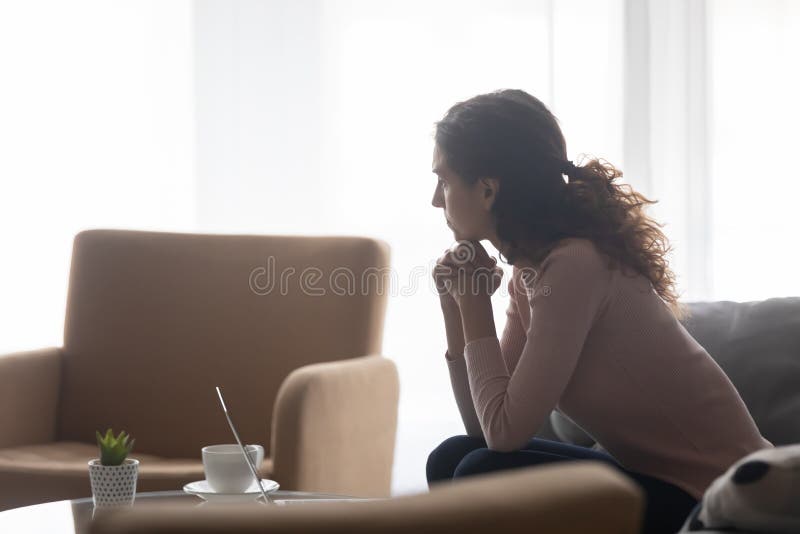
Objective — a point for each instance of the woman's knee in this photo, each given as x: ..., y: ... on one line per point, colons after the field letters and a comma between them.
x: 477, y: 462
x: 486, y: 460
x: 443, y: 460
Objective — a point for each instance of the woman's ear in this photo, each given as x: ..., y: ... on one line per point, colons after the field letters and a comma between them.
x: 488, y: 191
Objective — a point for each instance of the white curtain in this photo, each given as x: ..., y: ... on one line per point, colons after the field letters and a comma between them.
x: 666, y: 134
x: 312, y: 116
x: 710, y: 119
x: 754, y: 48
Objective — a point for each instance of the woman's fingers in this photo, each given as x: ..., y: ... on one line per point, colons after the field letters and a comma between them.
x: 472, y: 252
x: 456, y: 259
x: 481, y: 256
x: 463, y: 252
x: 442, y: 270
x: 467, y: 267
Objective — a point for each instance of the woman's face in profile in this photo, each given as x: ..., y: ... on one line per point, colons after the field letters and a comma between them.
x: 462, y: 202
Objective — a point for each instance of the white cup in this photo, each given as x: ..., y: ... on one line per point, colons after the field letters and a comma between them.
x: 226, y: 469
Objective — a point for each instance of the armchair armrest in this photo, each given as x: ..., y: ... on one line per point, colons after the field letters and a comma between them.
x: 29, y: 389
x: 334, y: 427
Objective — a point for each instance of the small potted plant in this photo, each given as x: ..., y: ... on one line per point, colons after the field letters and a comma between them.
x: 113, y: 475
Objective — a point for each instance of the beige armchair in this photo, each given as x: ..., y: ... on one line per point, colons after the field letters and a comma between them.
x: 289, y: 327
x: 569, y: 498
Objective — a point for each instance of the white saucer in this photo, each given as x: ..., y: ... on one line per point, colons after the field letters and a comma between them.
x: 203, y: 489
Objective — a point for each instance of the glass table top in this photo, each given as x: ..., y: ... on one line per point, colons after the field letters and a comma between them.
x: 73, y: 517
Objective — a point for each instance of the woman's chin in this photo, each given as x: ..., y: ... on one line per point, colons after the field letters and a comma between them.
x: 461, y: 236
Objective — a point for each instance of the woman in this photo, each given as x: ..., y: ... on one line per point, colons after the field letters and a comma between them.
x: 592, y: 328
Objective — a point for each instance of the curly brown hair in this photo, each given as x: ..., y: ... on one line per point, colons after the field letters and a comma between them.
x: 512, y: 136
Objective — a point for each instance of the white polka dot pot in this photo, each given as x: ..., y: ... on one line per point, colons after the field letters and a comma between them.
x: 113, y: 485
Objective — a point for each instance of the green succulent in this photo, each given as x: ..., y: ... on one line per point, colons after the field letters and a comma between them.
x: 114, y: 450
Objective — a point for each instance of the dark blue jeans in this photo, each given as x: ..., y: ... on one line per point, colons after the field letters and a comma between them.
x: 667, y: 506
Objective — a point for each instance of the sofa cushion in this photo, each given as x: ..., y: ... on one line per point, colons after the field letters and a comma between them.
x: 57, y: 471
x: 757, y: 344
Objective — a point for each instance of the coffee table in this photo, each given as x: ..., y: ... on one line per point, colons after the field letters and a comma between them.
x: 73, y: 517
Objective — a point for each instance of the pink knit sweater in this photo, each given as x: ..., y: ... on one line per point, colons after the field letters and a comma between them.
x: 605, y: 350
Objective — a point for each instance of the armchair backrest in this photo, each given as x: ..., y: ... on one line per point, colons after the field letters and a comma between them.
x: 155, y: 320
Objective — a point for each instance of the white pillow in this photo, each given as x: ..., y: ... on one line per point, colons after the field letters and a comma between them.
x: 759, y: 493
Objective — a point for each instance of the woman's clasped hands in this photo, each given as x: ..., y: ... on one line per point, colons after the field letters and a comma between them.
x: 466, y: 271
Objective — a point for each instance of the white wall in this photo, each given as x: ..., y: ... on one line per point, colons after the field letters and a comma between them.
x: 96, y: 130
x: 259, y: 116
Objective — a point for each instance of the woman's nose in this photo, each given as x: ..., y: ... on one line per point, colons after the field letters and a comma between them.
x: 437, y: 201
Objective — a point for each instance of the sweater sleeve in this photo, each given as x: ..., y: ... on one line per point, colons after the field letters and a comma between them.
x: 512, y: 342
x: 460, y: 383
x: 565, y: 299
